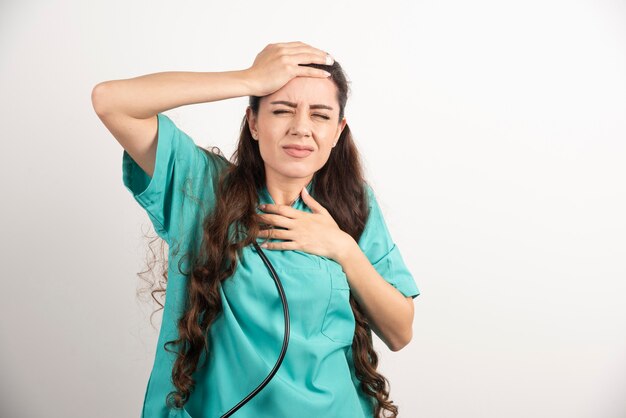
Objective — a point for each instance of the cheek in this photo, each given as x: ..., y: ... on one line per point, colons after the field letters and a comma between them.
x: 323, y: 154
x: 269, y: 152
x: 327, y: 147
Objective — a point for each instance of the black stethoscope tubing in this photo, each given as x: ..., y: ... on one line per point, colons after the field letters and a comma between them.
x: 269, y: 377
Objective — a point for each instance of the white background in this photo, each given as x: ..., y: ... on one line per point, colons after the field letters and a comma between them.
x: 493, y: 133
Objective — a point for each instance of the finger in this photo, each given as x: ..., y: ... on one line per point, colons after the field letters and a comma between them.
x: 284, y: 210
x: 313, y: 204
x: 290, y: 48
x: 286, y: 245
x: 312, y: 58
x: 277, y: 220
x: 295, y: 44
x: 311, y: 55
x: 304, y: 71
x: 273, y: 233
x: 296, y: 48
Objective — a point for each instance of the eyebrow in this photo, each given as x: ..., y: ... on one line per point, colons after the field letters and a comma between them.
x: 290, y: 104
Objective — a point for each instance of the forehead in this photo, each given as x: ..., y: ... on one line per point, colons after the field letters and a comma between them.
x: 305, y: 91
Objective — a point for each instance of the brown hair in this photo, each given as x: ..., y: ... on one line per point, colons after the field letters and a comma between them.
x: 338, y: 186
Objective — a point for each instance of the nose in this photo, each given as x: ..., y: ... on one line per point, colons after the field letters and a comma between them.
x: 300, y: 125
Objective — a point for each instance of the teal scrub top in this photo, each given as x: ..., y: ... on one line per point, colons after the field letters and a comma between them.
x: 316, y: 377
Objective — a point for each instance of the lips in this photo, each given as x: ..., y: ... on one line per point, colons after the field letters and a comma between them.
x: 299, y: 147
x: 298, y: 152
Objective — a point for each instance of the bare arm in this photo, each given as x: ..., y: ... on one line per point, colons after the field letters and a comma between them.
x: 390, y: 313
x: 144, y: 96
x: 129, y: 107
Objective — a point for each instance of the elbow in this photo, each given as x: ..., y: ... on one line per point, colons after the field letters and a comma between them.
x: 96, y: 98
x: 399, y: 345
x: 405, y: 338
x: 99, y: 97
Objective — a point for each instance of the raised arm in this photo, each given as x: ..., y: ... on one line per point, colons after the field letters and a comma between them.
x: 128, y: 107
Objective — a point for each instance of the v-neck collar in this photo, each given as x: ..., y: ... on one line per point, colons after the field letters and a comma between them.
x: 265, y: 197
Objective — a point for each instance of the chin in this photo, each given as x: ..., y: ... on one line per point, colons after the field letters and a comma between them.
x: 297, y: 173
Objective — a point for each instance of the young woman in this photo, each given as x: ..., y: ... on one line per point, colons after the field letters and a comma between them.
x: 223, y: 322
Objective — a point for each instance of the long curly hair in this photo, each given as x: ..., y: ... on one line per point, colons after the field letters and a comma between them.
x: 338, y: 186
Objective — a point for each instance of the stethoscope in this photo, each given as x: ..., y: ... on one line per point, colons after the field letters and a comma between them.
x: 285, y: 340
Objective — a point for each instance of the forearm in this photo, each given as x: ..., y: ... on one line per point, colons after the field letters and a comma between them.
x: 145, y: 96
x: 388, y: 311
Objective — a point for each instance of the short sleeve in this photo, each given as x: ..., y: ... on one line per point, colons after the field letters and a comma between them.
x: 182, y: 170
x: 377, y: 244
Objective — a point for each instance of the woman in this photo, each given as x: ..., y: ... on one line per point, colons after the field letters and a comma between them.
x: 223, y: 323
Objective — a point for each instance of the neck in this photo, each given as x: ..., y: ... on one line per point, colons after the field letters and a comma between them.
x: 285, y: 191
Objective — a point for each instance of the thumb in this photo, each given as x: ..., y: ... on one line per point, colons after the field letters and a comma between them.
x: 310, y: 202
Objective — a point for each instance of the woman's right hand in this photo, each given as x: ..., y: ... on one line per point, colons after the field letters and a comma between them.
x: 278, y: 63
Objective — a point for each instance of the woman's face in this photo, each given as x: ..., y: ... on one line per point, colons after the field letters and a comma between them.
x: 304, y: 112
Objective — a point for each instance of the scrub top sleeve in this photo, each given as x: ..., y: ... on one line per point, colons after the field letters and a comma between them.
x: 180, y: 164
x: 377, y: 244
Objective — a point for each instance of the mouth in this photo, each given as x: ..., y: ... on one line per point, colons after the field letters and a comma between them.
x: 300, y: 147
x: 298, y: 151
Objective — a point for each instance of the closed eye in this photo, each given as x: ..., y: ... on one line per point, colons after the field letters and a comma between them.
x: 276, y: 112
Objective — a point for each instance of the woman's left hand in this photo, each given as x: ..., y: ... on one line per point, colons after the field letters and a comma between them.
x: 314, y: 233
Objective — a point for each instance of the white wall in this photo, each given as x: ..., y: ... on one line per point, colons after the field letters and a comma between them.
x: 494, y: 133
